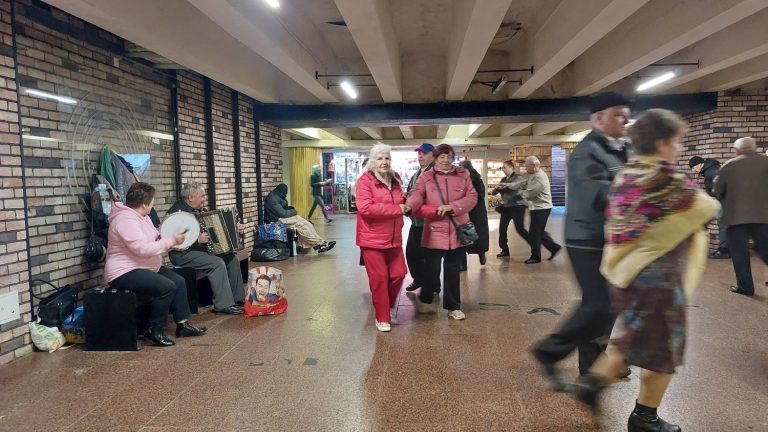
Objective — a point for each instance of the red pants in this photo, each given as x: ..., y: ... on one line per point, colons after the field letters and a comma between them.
x: 386, y: 271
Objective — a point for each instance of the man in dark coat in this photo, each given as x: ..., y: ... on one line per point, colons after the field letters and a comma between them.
x: 478, y: 216
x: 415, y: 255
x: 745, y: 209
x: 709, y: 169
x: 591, y: 169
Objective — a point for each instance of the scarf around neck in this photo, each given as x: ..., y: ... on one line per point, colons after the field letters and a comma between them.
x: 653, y: 208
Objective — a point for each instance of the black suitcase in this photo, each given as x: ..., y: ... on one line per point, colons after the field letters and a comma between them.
x: 110, y: 321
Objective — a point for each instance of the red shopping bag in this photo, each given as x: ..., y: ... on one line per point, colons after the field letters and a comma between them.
x: 264, y: 292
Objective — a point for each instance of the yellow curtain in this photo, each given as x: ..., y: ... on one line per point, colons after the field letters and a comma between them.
x: 302, y: 159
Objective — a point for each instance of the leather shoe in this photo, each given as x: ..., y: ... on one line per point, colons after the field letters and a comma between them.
x: 186, y: 329
x: 412, y: 287
x: 532, y: 261
x: 742, y: 291
x: 231, y: 310
x: 554, y: 253
x: 718, y: 254
x: 158, y: 337
x: 502, y: 254
x: 645, y: 423
x: 550, y: 372
x: 482, y: 258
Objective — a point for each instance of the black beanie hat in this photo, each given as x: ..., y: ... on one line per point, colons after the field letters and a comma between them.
x: 695, y: 161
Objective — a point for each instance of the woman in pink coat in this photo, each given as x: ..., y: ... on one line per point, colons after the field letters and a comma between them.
x: 380, y: 212
x: 135, y: 263
x: 454, y: 199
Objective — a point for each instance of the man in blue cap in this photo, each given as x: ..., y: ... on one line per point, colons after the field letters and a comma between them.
x: 414, y: 253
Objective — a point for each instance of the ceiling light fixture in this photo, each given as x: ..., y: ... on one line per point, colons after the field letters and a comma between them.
x: 274, y: 4
x: 349, y: 89
x: 655, y: 81
x: 44, y: 95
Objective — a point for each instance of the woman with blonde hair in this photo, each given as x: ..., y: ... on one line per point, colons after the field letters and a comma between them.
x: 655, y: 254
x: 380, y: 209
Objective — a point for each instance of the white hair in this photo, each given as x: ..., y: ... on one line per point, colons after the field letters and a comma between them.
x: 376, y: 150
x: 191, y: 189
x: 533, y: 160
x: 745, y: 144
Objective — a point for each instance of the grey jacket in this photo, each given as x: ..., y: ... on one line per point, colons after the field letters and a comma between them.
x: 591, y: 169
x: 535, y: 189
x: 740, y: 187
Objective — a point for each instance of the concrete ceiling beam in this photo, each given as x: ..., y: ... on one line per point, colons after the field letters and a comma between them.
x: 274, y: 43
x: 407, y: 132
x: 631, y: 47
x: 475, y: 23
x: 494, y: 141
x: 373, y: 132
x: 545, y: 128
x: 734, y: 76
x: 370, y: 22
x: 477, y: 129
x: 508, y: 129
x: 568, y: 32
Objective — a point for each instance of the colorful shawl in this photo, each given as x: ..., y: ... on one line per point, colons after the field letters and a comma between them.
x: 652, y: 208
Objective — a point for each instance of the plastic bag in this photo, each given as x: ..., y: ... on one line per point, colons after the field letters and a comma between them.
x: 74, y: 327
x: 46, y: 338
x: 264, y: 293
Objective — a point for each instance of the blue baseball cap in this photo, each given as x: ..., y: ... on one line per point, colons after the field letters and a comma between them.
x: 425, y: 148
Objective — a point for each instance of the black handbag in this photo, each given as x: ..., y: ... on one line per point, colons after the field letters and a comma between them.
x: 54, y: 308
x: 466, y: 232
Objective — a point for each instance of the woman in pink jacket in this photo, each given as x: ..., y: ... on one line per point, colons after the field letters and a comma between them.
x: 454, y: 199
x: 380, y: 212
x: 135, y: 263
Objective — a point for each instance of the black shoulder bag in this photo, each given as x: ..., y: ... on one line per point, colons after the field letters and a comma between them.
x: 54, y: 308
x: 466, y: 232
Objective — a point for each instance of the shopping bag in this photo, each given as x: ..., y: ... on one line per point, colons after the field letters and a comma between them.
x: 264, y: 292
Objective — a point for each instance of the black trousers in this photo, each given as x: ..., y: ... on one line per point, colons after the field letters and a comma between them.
x: 450, y: 260
x: 318, y: 201
x: 589, y: 326
x: 738, y: 246
x: 415, y: 255
x: 517, y: 215
x: 167, y: 289
x: 538, y: 234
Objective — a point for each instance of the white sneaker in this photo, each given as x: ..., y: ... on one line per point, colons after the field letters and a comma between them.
x: 457, y: 315
x: 383, y: 326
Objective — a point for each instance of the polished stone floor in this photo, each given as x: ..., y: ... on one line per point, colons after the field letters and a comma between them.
x: 322, y: 366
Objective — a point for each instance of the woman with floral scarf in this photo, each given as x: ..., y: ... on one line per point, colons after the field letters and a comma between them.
x: 655, y: 254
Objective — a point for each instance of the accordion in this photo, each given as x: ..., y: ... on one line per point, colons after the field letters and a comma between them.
x: 221, y: 226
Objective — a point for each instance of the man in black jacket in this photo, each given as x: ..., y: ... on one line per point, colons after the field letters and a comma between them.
x: 591, y: 169
x: 709, y: 169
x: 276, y: 209
x: 415, y: 255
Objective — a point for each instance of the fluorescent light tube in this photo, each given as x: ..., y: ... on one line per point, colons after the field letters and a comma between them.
x: 349, y: 89
x: 656, y: 81
x: 44, y: 95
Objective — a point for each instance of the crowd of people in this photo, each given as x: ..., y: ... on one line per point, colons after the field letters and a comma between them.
x: 635, y: 234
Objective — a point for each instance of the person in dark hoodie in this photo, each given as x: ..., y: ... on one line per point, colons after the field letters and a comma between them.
x: 709, y: 169
x: 478, y: 215
x: 276, y: 209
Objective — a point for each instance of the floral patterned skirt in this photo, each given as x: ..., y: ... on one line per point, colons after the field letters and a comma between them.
x: 650, y: 328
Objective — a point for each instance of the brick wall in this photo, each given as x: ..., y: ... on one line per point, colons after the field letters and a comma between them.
x: 193, y: 161
x: 14, y: 336
x: 117, y: 97
x: 248, y: 167
x: 711, y: 134
x: 271, y: 158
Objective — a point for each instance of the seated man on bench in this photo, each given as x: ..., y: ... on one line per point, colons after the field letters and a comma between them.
x: 135, y: 263
x: 276, y: 209
x: 223, y: 271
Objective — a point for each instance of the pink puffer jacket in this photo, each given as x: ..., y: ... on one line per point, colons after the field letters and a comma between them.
x: 457, y: 189
x: 379, y: 217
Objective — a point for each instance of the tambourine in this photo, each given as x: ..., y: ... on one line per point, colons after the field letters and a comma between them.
x: 181, y: 222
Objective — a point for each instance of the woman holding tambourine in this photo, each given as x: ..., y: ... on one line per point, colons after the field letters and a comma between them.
x: 135, y: 263
x: 443, y: 196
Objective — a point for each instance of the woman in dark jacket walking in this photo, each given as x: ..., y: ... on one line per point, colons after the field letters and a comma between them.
x: 478, y: 215
x: 380, y: 209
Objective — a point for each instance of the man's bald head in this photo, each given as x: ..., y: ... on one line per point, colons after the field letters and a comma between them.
x: 745, y: 145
